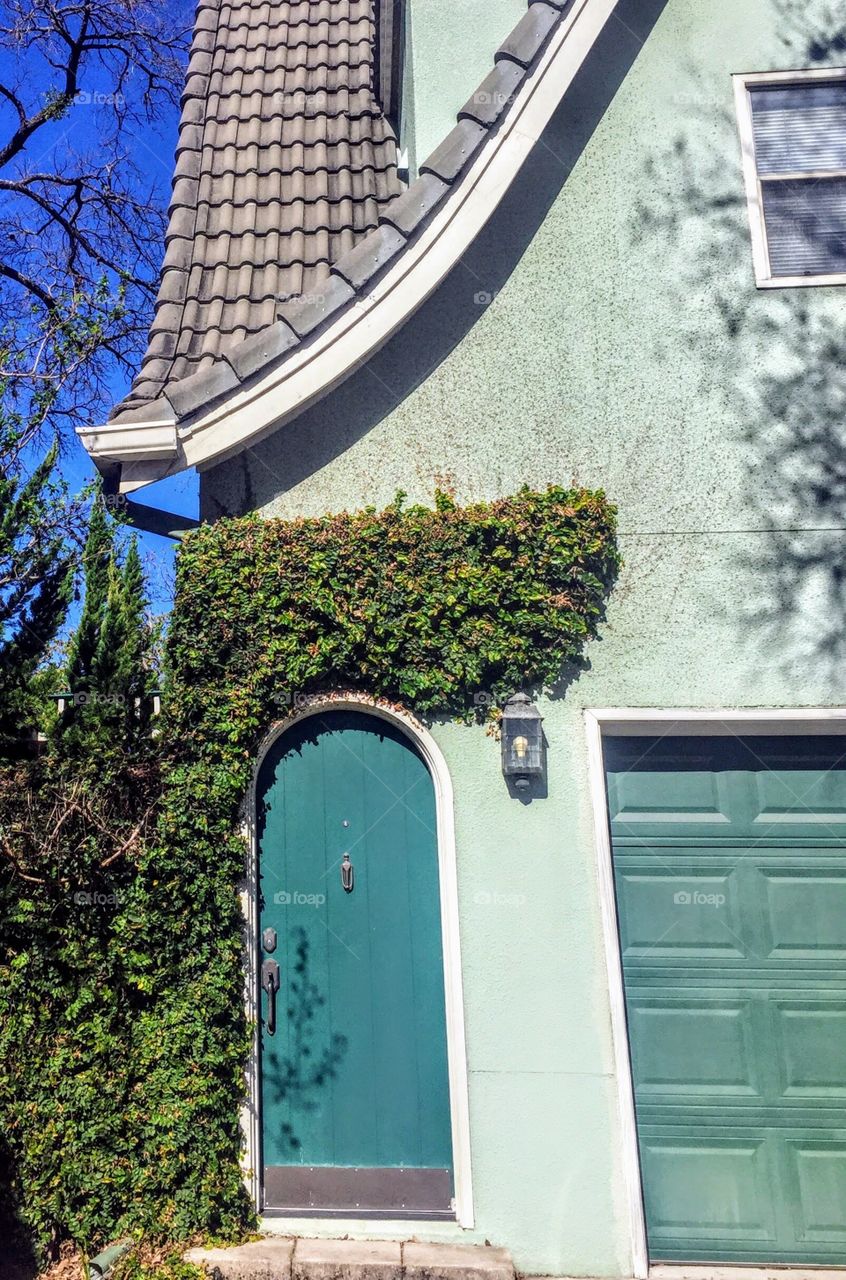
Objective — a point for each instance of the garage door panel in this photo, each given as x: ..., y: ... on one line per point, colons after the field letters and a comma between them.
x: 693, y: 1048
x: 805, y: 913
x: 643, y: 803
x: 679, y: 914
x: 769, y: 1049
x: 775, y: 789
x: 730, y: 874
x: 817, y: 1173
x: 810, y: 1049
x: 701, y: 1186
x: 808, y: 798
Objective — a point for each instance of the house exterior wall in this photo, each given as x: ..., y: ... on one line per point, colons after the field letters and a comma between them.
x: 450, y: 54
x: 621, y: 345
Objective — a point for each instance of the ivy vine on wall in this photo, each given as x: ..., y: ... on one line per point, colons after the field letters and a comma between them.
x: 424, y: 607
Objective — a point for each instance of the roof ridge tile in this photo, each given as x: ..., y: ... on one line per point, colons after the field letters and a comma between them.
x: 410, y: 210
x: 494, y: 94
x: 530, y: 35
x: 362, y: 264
x: 311, y: 311
x: 456, y: 151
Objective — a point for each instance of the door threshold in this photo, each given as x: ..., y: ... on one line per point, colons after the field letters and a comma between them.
x: 324, y: 1228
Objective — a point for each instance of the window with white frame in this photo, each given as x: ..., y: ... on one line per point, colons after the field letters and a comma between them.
x: 793, y: 137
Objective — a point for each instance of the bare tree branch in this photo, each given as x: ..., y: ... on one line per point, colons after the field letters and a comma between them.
x: 32, y: 286
x: 81, y: 221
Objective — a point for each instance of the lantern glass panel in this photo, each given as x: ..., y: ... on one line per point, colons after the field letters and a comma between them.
x: 523, y: 743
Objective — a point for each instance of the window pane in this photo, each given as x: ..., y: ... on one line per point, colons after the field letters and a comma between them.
x: 806, y: 226
x: 799, y: 128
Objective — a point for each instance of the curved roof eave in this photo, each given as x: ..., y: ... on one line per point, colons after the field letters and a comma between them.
x: 269, y: 378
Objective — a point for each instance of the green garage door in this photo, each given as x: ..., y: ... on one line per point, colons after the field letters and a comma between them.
x: 730, y: 872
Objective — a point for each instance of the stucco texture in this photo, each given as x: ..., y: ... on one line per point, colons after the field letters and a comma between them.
x: 605, y: 329
x: 452, y: 47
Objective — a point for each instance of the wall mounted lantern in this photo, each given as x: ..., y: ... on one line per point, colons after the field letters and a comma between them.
x: 522, y: 741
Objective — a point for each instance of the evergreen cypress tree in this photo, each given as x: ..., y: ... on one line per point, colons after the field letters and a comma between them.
x: 109, y: 667
x: 36, y: 580
x: 96, y: 568
x: 74, y: 821
x: 136, y: 670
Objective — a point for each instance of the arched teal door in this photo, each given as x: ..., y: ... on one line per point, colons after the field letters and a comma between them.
x: 354, y: 1084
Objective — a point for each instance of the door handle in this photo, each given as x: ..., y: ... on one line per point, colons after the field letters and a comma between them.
x: 270, y: 984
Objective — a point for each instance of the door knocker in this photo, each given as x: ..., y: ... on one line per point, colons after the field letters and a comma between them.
x: 347, y: 874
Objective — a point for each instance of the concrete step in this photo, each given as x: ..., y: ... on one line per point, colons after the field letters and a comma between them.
x: 282, y: 1258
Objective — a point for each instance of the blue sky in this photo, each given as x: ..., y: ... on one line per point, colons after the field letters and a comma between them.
x: 152, y: 150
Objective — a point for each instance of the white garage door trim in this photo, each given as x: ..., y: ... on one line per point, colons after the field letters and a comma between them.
x: 677, y: 721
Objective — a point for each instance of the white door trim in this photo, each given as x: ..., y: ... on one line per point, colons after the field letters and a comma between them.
x: 696, y: 721
x: 453, y: 987
x: 676, y: 721
x: 616, y: 996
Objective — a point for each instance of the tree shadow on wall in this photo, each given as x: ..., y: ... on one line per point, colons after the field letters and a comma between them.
x: 321, y: 433
x: 782, y: 364
x: 297, y: 1080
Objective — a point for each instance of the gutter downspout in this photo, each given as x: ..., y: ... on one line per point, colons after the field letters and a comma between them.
x: 102, y: 1264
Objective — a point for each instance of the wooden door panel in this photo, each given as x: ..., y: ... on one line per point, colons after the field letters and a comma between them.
x: 355, y: 1077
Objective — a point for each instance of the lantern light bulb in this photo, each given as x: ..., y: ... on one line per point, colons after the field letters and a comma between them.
x: 521, y: 748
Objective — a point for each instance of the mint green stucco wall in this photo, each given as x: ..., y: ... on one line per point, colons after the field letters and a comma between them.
x: 451, y: 43
x: 625, y: 347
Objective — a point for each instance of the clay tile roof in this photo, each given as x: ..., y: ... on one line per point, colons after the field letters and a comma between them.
x: 286, y: 204
x: 284, y: 163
